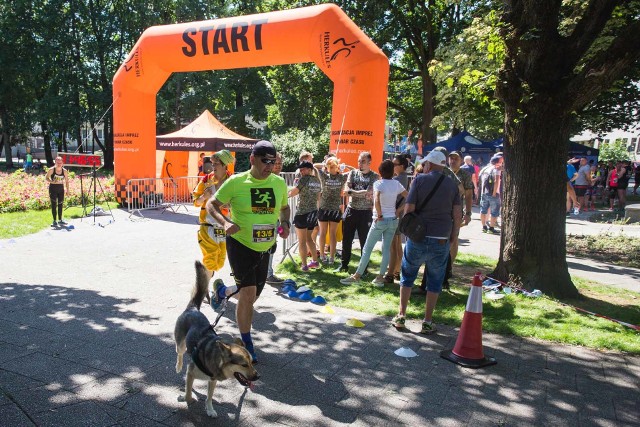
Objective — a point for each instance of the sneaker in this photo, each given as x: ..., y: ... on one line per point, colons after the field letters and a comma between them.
x: 304, y: 267
x: 54, y: 224
x: 324, y: 260
x: 485, y: 228
x: 62, y: 223
x: 378, y: 282
x: 388, y: 280
x: 428, y: 328
x: 493, y: 230
x: 332, y: 261
x: 398, y: 322
x: 215, y: 296
x: 313, y: 264
x: 349, y: 280
x: 396, y: 276
x: 274, y: 280
x: 341, y: 269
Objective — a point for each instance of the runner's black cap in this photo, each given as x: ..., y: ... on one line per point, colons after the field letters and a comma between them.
x: 263, y: 148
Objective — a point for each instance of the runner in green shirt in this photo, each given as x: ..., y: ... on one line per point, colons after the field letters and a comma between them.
x: 257, y: 199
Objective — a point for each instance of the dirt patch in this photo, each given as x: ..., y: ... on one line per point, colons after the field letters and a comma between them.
x: 619, y: 250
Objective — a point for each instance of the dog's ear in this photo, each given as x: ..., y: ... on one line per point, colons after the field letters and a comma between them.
x: 239, y: 342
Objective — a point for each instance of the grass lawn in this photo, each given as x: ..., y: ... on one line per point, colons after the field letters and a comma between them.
x: 16, y: 224
x: 518, y: 315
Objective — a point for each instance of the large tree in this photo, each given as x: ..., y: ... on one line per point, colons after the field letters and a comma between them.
x: 560, y: 55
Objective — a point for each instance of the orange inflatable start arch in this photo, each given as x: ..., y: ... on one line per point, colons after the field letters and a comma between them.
x: 321, y: 34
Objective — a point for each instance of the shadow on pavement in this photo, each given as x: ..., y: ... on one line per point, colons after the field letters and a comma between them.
x: 75, y: 357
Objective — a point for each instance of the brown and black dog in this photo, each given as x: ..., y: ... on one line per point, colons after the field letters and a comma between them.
x: 211, y: 358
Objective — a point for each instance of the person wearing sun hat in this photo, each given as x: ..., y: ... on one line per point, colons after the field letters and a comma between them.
x: 211, y: 235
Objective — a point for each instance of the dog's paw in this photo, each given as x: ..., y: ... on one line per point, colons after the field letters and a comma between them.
x: 189, y: 399
x: 210, y: 411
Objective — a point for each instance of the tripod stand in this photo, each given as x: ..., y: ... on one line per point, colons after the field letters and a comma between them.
x: 93, y: 185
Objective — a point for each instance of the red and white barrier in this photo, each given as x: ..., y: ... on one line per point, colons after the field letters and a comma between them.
x: 468, y: 349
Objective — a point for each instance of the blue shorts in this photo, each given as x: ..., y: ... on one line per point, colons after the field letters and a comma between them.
x: 487, y: 201
x: 432, y: 252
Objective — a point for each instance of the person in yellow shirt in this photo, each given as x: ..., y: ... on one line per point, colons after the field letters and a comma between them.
x: 211, y: 235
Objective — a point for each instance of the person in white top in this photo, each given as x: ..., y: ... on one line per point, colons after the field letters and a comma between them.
x: 384, y: 225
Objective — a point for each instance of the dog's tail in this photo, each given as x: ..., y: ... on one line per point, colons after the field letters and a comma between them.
x: 201, y: 286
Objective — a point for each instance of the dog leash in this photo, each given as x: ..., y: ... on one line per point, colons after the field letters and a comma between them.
x: 223, y: 308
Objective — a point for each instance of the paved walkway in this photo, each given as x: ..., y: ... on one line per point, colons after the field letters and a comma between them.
x: 86, y: 321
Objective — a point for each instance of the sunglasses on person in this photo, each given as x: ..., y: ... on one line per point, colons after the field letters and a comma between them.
x: 268, y: 161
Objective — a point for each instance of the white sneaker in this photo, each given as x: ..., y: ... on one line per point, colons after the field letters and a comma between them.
x: 378, y: 282
x: 349, y: 280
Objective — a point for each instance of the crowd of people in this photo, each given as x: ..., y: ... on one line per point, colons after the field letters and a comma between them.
x: 605, y: 183
x: 242, y: 214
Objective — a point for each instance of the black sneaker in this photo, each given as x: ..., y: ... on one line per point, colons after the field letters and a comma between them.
x: 493, y: 230
x: 274, y: 280
x: 54, y: 224
x: 62, y: 223
x: 485, y: 229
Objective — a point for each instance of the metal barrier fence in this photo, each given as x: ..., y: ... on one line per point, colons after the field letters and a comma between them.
x: 159, y: 193
x: 172, y: 193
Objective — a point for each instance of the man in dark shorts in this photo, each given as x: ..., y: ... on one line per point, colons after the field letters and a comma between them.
x: 257, y: 199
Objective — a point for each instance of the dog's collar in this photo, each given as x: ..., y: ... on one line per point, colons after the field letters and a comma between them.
x: 195, y: 355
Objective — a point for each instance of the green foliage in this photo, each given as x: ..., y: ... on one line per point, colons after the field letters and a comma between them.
x: 293, y: 142
x: 466, y: 71
x: 614, y: 151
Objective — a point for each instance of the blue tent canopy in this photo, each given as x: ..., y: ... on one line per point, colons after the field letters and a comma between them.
x: 575, y: 150
x: 467, y: 145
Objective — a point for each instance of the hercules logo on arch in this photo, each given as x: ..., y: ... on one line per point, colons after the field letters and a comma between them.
x: 339, y: 48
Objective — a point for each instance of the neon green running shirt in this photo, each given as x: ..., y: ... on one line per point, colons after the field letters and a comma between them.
x: 255, y: 207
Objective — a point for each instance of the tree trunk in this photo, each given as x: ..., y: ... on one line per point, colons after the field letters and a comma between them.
x: 6, y: 138
x: 47, y: 142
x: 533, y: 251
x: 428, y: 95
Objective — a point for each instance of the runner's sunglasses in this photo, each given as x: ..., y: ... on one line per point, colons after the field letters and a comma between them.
x: 268, y: 161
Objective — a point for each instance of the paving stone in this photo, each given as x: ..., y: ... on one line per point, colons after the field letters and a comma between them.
x: 627, y: 410
x: 48, y: 369
x: 111, y: 360
x: 11, y: 415
x: 316, y: 389
x: 81, y: 414
x: 10, y: 351
x: 317, y: 414
x: 154, y: 402
x: 45, y: 398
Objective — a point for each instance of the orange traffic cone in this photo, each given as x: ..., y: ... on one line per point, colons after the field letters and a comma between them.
x: 468, y: 349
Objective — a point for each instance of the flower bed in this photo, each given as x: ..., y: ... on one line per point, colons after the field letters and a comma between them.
x: 20, y: 191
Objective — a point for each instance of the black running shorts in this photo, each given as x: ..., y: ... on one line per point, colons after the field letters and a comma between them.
x: 326, y: 216
x: 248, y: 266
x: 308, y: 220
